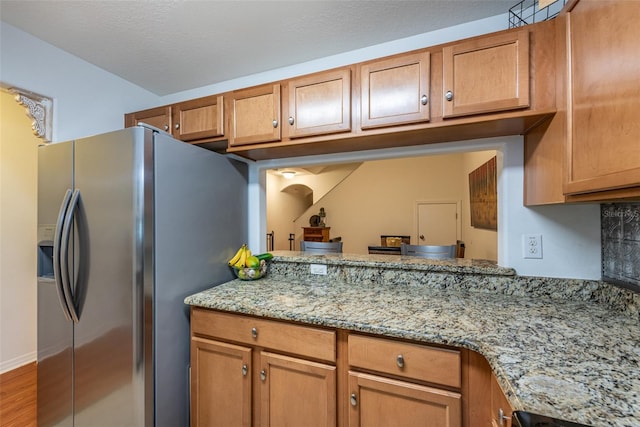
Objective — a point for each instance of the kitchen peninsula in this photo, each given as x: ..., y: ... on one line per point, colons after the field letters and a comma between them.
x: 561, y: 347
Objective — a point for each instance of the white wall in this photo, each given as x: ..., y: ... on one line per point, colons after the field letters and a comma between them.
x: 87, y: 99
x: 18, y: 217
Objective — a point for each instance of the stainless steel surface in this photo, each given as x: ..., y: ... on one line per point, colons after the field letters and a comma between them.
x: 424, y: 99
x: 353, y: 399
x: 148, y: 230
x: 55, y: 330
x: 449, y: 95
x: 400, y: 361
x: 291, y: 121
x: 275, y: 123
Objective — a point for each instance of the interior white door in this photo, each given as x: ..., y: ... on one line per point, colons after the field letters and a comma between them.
x: 437, y: 223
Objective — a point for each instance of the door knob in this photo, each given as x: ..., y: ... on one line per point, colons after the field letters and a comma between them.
x: 422, y: 237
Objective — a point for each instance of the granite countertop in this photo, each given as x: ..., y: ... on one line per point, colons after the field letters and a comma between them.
x: 569, y: 358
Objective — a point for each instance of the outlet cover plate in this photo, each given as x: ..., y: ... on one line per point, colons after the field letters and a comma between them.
x: 318, y: 269
x: 532, y: 246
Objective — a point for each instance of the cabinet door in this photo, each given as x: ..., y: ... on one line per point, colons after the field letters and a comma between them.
x: 395, y: 91
x: 159, y: 117
x: 486, y: 74
x: 501, y: 410
x: 381, y: 402
x: 604, y: 136
x: 320, y: 104
x: 296, y: 392
x: 199, y: 118
x: 255, y: 115
x: 220, y: 384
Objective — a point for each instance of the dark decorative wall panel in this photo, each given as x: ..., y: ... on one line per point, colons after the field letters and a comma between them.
x: 621, y: 243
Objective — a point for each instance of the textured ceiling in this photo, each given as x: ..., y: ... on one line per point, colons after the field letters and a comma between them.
x: 171, y: 46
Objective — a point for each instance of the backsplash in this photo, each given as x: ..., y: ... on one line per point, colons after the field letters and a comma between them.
x: 620, y: 223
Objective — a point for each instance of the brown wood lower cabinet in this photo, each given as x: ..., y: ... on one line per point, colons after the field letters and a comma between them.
x: 296, y: 392
x: 220, y: 384
x: 251, y: 371
x: 379, y: 402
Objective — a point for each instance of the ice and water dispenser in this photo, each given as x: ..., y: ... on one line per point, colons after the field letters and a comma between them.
x: 46, y: 234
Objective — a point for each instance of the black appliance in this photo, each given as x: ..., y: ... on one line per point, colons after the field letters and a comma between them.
x: 527, y: 419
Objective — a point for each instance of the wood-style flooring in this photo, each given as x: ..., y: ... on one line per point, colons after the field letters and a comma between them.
x: 18, y: 397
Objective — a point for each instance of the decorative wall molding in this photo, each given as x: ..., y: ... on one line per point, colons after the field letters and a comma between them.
x: 39, y: 108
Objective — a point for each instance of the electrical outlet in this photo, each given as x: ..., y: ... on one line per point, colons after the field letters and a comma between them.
x: 532, y: 245
x: 318, y: 269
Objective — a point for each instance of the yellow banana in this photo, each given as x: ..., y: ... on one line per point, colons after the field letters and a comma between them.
x: 243, y: 258
x: 236, y: 257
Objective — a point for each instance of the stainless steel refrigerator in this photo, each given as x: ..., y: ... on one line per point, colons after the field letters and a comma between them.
x: 129, y: 223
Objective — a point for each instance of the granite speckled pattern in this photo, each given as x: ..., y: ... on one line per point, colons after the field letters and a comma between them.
x: 556, y: 349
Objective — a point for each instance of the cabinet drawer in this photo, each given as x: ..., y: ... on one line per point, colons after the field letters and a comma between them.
x: 429, y: 364
x: 295, y: 339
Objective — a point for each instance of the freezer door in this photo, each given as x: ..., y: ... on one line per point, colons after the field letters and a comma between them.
x: 109, y: 174
x: 55, y: 329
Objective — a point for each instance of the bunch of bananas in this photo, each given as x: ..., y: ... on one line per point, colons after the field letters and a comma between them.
x: 244, y: 258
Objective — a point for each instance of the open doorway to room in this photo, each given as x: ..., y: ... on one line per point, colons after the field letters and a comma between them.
x: 366, y: 200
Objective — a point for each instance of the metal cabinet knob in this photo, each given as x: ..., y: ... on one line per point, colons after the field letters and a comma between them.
x: 166, y: 127
x: 291, y: 121
x: 400, y: 361
x: 254, y: 332
x: 275, y: 123
x: 422, y: 237
x: 245, y: 370
x: 449, y: 95
x: 353, y: 399
x: 263, y: 375
x: 177, y: 126
x: 424, y: 99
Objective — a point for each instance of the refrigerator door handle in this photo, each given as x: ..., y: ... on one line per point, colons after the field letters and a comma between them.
x: 64, y: 258
x: 56, y: 254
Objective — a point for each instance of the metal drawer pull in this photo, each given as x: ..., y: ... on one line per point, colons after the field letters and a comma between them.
x: 291, y: 121
x: 275, y: 123
x: 177, y: 125
x: 400, y: 361
x: 424, y: 99
x: 263, y: 375
x: 254, y: 332
x: 354, y: 400
x: 449, y: 95
x: 245, y: 370
x: 502, y: 418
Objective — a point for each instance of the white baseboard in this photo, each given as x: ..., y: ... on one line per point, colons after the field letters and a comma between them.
x: 16, y: 362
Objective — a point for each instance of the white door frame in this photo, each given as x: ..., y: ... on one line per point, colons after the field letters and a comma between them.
x: 414, y: 238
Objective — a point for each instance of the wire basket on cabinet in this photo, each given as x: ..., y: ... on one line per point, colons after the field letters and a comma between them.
x: 529, y: 12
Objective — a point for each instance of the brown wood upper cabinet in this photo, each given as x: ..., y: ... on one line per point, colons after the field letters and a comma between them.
x: 486, y: 74
x: 199, y: 118
x: 159, y: 117
x: 255, y: 115
x: 603, y: 150
x: 319, y: 104
x: 395, y: 91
